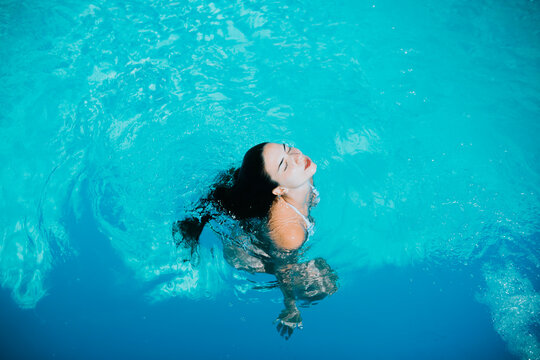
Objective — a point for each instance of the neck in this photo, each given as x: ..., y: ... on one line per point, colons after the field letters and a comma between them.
x: 299, y: 197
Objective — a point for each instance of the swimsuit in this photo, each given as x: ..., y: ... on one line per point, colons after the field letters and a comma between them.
x: 310, y: 226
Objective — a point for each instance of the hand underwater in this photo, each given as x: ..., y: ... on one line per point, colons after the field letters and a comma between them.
x: 288, y: 320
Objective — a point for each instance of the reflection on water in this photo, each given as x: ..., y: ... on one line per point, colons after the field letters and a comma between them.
x: 425, y: 133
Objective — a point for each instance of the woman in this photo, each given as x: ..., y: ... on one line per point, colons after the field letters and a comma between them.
x: 271, y: 194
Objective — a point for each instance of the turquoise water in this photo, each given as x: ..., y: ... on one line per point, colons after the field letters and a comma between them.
x: 423, y: 119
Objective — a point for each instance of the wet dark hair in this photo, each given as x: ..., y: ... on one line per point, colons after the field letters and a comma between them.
x: 242, y: 193
x: 251, y: 192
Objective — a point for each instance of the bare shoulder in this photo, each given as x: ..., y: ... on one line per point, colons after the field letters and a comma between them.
x: 289, y: 237
x: 285, y: 228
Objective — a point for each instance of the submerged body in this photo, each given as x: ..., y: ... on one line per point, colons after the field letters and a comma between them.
x: 269, y: 197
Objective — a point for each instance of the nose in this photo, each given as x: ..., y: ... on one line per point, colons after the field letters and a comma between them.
x: 298, y: 157
x: 295, y: 151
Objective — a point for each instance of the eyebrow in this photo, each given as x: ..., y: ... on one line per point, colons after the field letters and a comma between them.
x: 281, y: 158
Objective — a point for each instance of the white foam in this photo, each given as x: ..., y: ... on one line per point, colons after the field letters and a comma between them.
x: 514, y: 306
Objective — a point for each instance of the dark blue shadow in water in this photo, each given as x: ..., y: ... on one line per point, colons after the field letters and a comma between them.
x: 411, y: 313
x: 96, y: 309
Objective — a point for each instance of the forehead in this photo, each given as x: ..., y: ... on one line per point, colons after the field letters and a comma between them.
x: 272, y: 154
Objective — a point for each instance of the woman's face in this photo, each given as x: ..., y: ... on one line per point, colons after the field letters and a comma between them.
x: 287, y: 165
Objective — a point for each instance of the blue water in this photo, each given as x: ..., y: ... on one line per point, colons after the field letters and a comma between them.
x: 423, y: 119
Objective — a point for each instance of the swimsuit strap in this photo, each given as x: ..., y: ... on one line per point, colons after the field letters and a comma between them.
x: 308, y: 223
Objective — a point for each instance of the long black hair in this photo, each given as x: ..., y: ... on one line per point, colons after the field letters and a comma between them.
x: 242, y: 193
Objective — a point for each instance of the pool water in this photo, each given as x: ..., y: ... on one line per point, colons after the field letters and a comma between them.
x: 423, y: 119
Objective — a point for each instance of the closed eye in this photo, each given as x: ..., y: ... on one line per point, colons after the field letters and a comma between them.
x: 286, y: 162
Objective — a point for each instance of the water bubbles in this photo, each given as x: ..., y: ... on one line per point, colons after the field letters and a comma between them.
x: 513, y: 303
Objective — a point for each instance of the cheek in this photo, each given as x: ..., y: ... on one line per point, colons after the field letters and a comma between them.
x: 298, y: 175
x: 288, y: 179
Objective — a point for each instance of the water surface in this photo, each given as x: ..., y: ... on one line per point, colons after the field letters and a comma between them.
x: 422, y: 118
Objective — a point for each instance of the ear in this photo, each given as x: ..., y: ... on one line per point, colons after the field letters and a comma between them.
x: 279, y: 190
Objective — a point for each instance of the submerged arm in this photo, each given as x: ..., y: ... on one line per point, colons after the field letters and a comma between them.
x: 290, y: 317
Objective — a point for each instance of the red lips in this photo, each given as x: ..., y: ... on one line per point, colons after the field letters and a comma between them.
x: 308, y: 162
